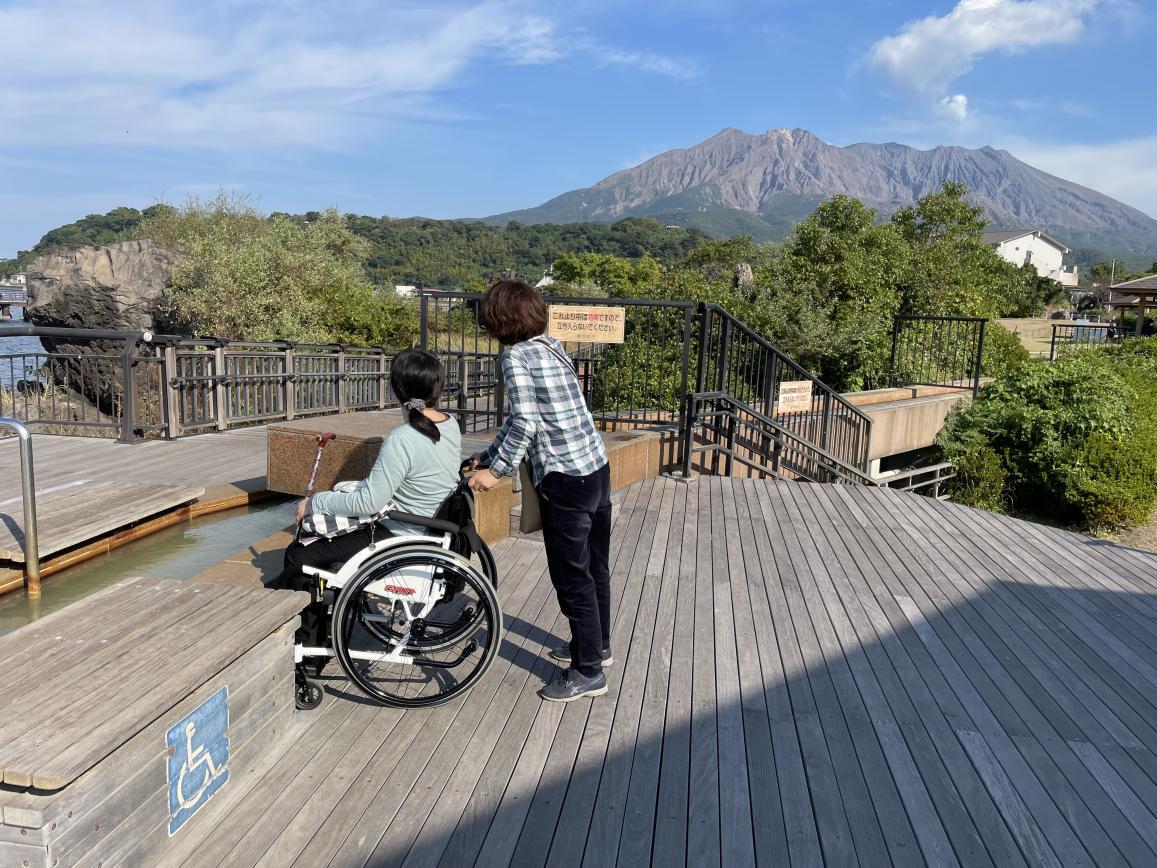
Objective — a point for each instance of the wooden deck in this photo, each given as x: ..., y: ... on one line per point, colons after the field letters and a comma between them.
x: 803, y: 675
x: 88, y: 487
x: 226, y: 458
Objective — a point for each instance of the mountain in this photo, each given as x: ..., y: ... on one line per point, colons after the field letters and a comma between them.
x: 738, y: 183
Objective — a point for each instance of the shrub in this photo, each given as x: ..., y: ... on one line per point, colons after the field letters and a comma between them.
x: 247, y: 277
x: 1003, y: 351
x: 1075, y: 440
x: 980, y: 478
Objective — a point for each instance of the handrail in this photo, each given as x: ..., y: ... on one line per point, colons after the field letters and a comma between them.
x: 773, y: 457
x: 778, y: 433
x: 34, y: 331
x: 28, y: 495
x: 938, y: 351
x: 803, y: 373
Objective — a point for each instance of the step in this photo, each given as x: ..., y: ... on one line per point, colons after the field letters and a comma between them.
x: 107, y: 699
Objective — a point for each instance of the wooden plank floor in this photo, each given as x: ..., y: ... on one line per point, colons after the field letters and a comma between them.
x: 803, y: 675
x: 203, y: 460
x: 88, y: 487
x: 75, y: 515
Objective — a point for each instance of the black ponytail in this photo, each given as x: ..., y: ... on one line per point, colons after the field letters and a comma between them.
x: 416, y: 378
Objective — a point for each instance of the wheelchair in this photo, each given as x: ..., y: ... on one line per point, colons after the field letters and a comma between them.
x: 413, y: 619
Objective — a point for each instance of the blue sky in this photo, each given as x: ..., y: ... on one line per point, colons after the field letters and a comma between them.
x: 471, y: 108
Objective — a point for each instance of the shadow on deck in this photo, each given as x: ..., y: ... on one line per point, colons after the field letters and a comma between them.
x: 803, y: 675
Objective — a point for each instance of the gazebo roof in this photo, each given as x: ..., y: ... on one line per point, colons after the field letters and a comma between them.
x: 1144, y: 284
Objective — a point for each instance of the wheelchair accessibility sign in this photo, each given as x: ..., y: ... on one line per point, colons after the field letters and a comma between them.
x: 198, y: 758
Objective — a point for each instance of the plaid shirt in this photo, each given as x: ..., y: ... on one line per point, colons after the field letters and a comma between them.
x: 548, y: 418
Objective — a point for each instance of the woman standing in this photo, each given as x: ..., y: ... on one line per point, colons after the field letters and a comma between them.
x: 549, y: 422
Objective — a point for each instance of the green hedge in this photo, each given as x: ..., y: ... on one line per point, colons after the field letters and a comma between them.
x: 1074, y: 441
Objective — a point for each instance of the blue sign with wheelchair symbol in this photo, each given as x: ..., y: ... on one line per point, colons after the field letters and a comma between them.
x: 198, y: 758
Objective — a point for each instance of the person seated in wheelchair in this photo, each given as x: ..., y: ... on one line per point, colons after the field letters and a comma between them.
x: 416, y: 469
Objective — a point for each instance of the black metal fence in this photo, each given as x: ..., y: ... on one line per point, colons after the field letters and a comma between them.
x: 671, y: 350
x: 734, y: 360
x: 642, y: 381
x: 1080, y: 335
x: 938, y: 351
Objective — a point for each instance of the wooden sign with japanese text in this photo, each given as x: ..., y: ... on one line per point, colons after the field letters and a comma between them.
x: 587, y: 325
x: 794, y: 396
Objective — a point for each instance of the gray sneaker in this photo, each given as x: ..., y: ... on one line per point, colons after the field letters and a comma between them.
x: 561, y: 654
x: 574, y: 685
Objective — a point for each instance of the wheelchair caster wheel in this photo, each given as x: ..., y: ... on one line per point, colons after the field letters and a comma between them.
x: 309, y: 695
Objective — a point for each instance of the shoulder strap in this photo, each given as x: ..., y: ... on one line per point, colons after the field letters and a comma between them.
x: 566, y: 360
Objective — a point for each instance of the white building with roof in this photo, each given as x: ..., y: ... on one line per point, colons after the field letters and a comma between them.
x: 1033, y: 247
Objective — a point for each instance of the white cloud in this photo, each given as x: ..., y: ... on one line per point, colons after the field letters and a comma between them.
x: 1124, y: 169
x: 672, y: 67
x: 929, y: 54
x: 223, y: 73
x: 954, y: 107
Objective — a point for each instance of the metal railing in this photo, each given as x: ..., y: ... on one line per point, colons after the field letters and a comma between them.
x: 670, y: 350
x: 14, y: 295
x: 938, y: 351
x: 31, y: 543
x: 217, y: 384
x: 927, y: 480
x: 82, y: 381
x: 135, y: 384
x: 642, y: 381
x: 725, y: 436
x: 1079, y: 335
x: 734, y: 360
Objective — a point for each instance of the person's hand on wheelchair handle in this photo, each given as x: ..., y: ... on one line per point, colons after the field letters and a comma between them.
x: 483, y: 480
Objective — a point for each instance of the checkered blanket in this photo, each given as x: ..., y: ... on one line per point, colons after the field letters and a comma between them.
x: 319, y: 524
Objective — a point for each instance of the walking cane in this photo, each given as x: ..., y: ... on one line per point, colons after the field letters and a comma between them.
x: 322, y: 439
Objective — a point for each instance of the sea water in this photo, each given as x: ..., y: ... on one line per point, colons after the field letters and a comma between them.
x: 17, y: 353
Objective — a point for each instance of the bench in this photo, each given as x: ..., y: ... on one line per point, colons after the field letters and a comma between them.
x: 127, y: 711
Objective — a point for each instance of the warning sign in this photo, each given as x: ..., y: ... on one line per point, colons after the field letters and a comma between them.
x: 795, y: 395
x: 589, y: 325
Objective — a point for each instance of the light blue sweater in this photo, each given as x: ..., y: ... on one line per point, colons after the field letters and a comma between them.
x: 411, y: 470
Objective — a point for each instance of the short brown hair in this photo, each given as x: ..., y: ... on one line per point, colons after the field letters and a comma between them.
x: 513, y: 312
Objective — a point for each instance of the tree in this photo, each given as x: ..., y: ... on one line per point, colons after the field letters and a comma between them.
x: 245, y: 277
x: 605, y: 274
x: 846, y: 266
x: 719, y: 260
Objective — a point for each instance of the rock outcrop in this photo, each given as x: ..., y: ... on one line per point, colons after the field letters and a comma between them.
x: 119, y: 286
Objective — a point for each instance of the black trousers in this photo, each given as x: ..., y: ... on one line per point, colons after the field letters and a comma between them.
x: 576, y: 529
x: 322, y: 553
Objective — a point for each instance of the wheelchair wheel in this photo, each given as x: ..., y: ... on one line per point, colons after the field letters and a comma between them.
x: 448, y: 620
x: 425, y: 656
x: 308, y: 694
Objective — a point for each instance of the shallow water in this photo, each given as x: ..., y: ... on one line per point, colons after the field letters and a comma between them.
x: 177, y: 553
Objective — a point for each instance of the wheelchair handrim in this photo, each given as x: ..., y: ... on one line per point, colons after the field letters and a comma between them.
x: 487, y: 601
